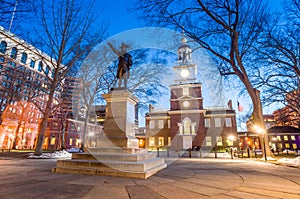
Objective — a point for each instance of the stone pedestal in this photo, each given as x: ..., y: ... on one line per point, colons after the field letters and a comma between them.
x: 118, y: 153
x: 119, y: 126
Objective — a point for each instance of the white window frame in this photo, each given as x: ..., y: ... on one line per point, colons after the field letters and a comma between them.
x: 161, y: 124
x: 161, y: 141
x: 228, y: 122
x: 151, y: 124
x: 219, y: 140
x: 185, y: 91
x: 218, y: 122
x: 151, y: 141
x: 207, y: 122
x: 208, y: 141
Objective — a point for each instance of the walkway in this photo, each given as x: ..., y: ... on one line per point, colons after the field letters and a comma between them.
x: 184, y: 178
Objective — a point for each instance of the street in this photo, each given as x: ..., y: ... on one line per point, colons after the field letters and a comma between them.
x: 184, y: 178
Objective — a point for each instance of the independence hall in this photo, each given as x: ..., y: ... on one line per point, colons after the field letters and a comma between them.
x: 25, y: 72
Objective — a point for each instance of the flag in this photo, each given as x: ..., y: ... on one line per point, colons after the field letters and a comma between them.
x: 240, y: 108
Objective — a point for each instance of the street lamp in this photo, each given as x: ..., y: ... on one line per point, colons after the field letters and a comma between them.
x: 262, y: 132
x: 230, y: 139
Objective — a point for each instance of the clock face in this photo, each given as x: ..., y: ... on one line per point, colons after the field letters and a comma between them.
x: 185, y: 73
x: 185, y: 103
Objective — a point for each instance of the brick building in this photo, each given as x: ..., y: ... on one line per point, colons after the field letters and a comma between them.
x: 188, y: 124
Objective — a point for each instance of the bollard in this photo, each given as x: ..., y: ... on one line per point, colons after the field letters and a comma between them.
x: 190, y: 152
x: 157, y: 152
x: 231, y: 152
x: 168, y: 152
x: 248, y: 152
x: 216, y: 156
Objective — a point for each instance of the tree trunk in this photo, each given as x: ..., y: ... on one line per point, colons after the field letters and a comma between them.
x: 85, y: 128
x: 43, y: 125
x: 258, y: 120
x: 16, y: 136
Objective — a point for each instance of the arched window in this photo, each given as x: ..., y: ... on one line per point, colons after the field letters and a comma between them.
x: 40, y: 68
x: 3, y: 46
x: 47, y: 70
x: 32, y: 62
x: 186, y: 126
x: 14, y: 52
x: 24, y: 58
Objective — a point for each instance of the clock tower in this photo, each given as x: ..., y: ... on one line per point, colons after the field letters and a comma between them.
x: 186, y: 103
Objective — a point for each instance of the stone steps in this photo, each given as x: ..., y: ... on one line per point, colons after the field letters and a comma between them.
x: 114, y: 156
x: 112, y: 162
x: 115, y: 165
x: 109, y: 172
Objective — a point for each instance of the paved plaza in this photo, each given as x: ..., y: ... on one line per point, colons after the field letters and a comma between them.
x: 183, y: 178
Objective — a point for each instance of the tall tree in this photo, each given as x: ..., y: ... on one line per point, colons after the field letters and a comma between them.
x: 280, y: 47
x: 66, y: 35
x: 98, y: 73
x: 227, y: 29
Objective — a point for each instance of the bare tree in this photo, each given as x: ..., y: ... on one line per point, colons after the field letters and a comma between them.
x: 12, y: 10
x: 227, y: 29
x: 280, y: 47
x: 98, y: 73
x: 67, y: 34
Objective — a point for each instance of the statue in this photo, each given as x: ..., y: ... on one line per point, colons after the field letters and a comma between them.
x: 125, y: 62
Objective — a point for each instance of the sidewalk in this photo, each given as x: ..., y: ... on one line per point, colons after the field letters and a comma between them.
x: 184, y: 178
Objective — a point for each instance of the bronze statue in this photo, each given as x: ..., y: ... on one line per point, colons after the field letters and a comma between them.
x: 125, y: 62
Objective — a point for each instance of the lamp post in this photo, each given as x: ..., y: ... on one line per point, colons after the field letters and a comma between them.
x: 231, y: 138
x: 262, y: 132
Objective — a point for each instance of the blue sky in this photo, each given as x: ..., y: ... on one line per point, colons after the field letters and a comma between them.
x: 120, y: 19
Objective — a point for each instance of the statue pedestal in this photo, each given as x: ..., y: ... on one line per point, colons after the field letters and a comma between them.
x: 118, y: 153
x: 119, y: 126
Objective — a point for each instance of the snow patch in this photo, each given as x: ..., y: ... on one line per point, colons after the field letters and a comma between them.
x: 56, y: 155
x: 290, y: 161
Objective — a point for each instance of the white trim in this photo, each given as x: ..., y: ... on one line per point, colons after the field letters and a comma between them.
x: 186, y: 111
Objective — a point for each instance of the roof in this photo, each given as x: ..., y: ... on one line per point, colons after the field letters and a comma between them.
x: 283, y: 129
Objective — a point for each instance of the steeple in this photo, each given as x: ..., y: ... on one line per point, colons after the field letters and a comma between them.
x: 184, y: 51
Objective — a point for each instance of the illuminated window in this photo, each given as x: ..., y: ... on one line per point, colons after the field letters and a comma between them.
x: 185, y: 91
x: 169, y: 141
x: 228, y: 122
x: 293, y: 137
x: 78, y: 142
x: 207, y: 123
x: 186, y: 126
x: 278, y: 138
x: 285, y: 137
x: 287, y: 145
x: 152, y: 124
x: 71, y: 141
x: 46, y: 141
x: 52, y: 141
x: 208, y: 141
x: 151, y: 141
x: 180, y: 128
x: 217, y: 122
x: 160, y: 141
x: 160, y: 124
x: 219, y: 140
x: 294, y: 146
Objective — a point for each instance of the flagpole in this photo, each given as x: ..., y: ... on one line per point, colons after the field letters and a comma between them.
x: 13, y: 15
